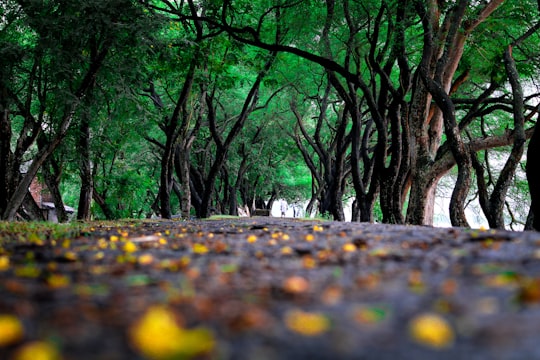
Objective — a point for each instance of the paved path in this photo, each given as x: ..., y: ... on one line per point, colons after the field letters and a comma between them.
x: 269, y: 288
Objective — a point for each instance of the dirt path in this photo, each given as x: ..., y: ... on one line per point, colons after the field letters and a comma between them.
x: 267, y: 288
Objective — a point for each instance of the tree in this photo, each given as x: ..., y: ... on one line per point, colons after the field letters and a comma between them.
x: 49, y: 67
x: 413, y: 96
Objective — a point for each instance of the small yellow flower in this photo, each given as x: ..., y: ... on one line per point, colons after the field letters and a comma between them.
x: 306, y: 323
x: 11, y: 330
x: 37, y: 350
x: 251, y: 239
x: 431, y: 330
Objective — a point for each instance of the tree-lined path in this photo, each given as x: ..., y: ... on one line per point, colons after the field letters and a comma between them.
x: 267, y: 288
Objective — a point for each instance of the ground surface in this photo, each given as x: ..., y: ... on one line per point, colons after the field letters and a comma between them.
x: 267, y: 288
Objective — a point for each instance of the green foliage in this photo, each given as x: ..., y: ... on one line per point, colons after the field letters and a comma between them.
x: 155, y: 42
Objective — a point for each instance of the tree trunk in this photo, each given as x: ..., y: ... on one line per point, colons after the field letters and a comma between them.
x: 51, y: 174
x: 224, y: 145
x: 85, y: 170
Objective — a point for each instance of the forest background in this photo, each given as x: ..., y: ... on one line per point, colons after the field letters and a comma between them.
x: 130, y: 109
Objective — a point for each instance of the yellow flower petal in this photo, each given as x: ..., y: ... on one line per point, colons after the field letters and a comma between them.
x: 129, y: 247
x: 4, y: 263
x: 295, y: 284
x: 11, y: 330
x: 57, y: 281
x: 431, y: 330
x: 349, y: 247
x: 199, y: 248
x: 306, y: 323
x: 309, y: 237
x: 37, y: 350
x: 157, y: 335
x: 286, y: 250
x: 146, y: 259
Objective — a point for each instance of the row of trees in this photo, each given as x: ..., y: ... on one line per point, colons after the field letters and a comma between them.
x: 165, y: 107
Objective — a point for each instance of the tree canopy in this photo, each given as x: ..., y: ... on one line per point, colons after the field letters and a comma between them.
x: 147, y: 108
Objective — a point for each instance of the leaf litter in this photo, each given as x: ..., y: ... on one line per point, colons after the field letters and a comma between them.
x: 282, y: 288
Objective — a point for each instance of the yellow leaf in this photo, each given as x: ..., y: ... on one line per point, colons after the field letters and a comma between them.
x: 309, y: 237
x: 251, y: 239
x: 317, y: 228
x: 37, y: 350
x: 11, y: 330
x: 306, y: 323
x: 431, y: 330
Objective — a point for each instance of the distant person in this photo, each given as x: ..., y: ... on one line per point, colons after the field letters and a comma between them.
x: 283, y: 207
